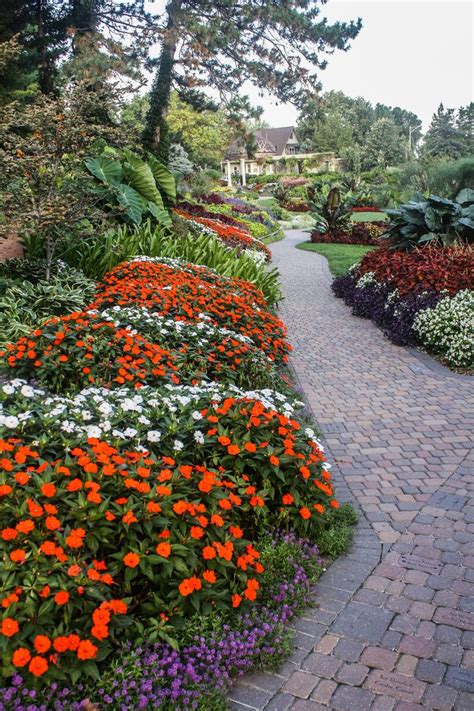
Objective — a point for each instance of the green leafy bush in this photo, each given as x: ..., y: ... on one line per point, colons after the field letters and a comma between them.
x: 433, y: 219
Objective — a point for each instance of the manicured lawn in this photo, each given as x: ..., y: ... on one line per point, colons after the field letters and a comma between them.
x: 339, y: 256
x: 368, y: 216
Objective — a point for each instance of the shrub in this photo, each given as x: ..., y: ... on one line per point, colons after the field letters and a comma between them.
x: 433, y: 219
x: 433, y: 268
x: 193, y: 293
x: 108, y: 528
x: 447, y: 330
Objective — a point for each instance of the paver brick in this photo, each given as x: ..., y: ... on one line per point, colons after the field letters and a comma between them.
x: 396, y: 685
x: 379, y: 658
x: 350, y: 698
x: 300, y: 684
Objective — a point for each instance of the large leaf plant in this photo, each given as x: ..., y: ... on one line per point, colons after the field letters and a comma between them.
x: 142, y: 189
x: 425, y: 220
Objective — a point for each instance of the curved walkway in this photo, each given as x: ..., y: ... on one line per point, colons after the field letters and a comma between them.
x: 394, y: 627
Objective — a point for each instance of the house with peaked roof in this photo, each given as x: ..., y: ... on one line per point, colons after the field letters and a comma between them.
x: 278, y: 150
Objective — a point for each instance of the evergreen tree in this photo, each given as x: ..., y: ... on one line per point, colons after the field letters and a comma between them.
x: 443, y: 138
x: 224, y: 44
x: 384, y: 144
x: 465, y: 126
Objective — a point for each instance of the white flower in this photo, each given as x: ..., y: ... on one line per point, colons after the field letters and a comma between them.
x: 11, y: 421
x: 8, y: 389
x: 196, y: 415
x: 130, y: 432
x: 27, y: 391
x: 178, y: 446
x: 199, y: 437
x: 93, y: 431
x: 153, y: 436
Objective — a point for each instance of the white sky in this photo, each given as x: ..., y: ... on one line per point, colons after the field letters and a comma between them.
x: 409, y: 53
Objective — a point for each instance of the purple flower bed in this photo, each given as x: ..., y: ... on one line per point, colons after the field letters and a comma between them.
x: 158, y: 676
x: 393, y: 314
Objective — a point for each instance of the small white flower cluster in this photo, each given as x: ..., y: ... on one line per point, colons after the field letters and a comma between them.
x: 448, y: 329
x: 258, y: 257
x: 365, y: 280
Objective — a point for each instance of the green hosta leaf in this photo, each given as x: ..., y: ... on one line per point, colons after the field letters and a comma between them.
x: 105, y: 169
x: 433, y: 219
x: 164, y: 178
x: 466, y: 196
x: 131, y: 200
x: 140, y: 176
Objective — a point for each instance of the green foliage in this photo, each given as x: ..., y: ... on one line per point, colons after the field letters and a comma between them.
x: 384, y: 144
x: 447, y: 137
x: 340, y: 256
x: 336, y: 538
x: 26, y: 299
x: 328, y: 209
x: 433, y: 219
x: 141, y: 188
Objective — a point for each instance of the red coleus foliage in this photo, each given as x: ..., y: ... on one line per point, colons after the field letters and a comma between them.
x: 432, y: 267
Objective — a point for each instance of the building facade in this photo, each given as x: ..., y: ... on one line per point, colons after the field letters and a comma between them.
x: 278, y: 150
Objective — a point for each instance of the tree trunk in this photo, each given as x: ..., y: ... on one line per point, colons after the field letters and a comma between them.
x: 155, y: 135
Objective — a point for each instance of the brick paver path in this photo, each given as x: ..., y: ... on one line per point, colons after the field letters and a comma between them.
x: 394, y: 628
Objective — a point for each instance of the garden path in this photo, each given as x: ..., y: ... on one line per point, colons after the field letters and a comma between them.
x: 394, y: 626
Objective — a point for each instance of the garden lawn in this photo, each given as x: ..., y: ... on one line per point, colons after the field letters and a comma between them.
x: 340, y: 256
x: 368, y: 216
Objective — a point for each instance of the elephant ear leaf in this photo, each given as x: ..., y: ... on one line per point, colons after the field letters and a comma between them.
x: 160, y: 214
x: 164, y: 178
x: 131, y: 201
x: 139, y: 175
x: 105, y: 169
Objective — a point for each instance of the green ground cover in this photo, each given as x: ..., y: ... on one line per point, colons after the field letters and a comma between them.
x: 340, y: 256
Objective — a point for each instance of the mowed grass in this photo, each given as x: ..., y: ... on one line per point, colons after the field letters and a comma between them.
x: 368, y: 216
x: 340, y: 256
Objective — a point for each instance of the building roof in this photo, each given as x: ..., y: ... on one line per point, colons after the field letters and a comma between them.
x: 269, y: 140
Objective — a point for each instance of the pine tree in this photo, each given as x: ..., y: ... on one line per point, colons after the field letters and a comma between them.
x: 443, y: 138
x: 224, y: 44
x: 465, y: 126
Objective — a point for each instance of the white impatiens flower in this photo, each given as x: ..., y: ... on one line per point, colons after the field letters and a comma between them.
x: 198, y: 437
x: 196, y: 415
x: 178, y: 446
x: 11, y: 421
x: 8, y: 389
x: 27, y: 391
x: 153, y: 436
x: 94, y: 431
x: 130, y: 432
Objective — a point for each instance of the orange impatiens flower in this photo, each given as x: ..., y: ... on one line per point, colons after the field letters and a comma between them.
x: 305, y: 513
x: 86, y: 650
x: 21, y: 657
x: 9, y: 627
x: 48, y: 489
x: 61, y: 597
x: 163, y: 549
x: 189, y: 585
x: 42, y: 643
x: 131, y: 560
x: 18, y: 555
x: 38, y: 666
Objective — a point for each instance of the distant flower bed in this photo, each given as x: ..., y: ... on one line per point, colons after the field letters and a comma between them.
x: 423, y: 297
x: 364, y: 233
x: 296, y: 206
x: 235, y: 237
x: 366, y: 208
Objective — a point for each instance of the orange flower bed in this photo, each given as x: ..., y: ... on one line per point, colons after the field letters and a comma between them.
x: 195, y: 295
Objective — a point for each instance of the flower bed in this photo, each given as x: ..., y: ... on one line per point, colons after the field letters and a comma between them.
x: 235, y: 237
x: 423, y: 297
x: 366, y: 208
x: 135, y: 506
x: 365, y: 233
